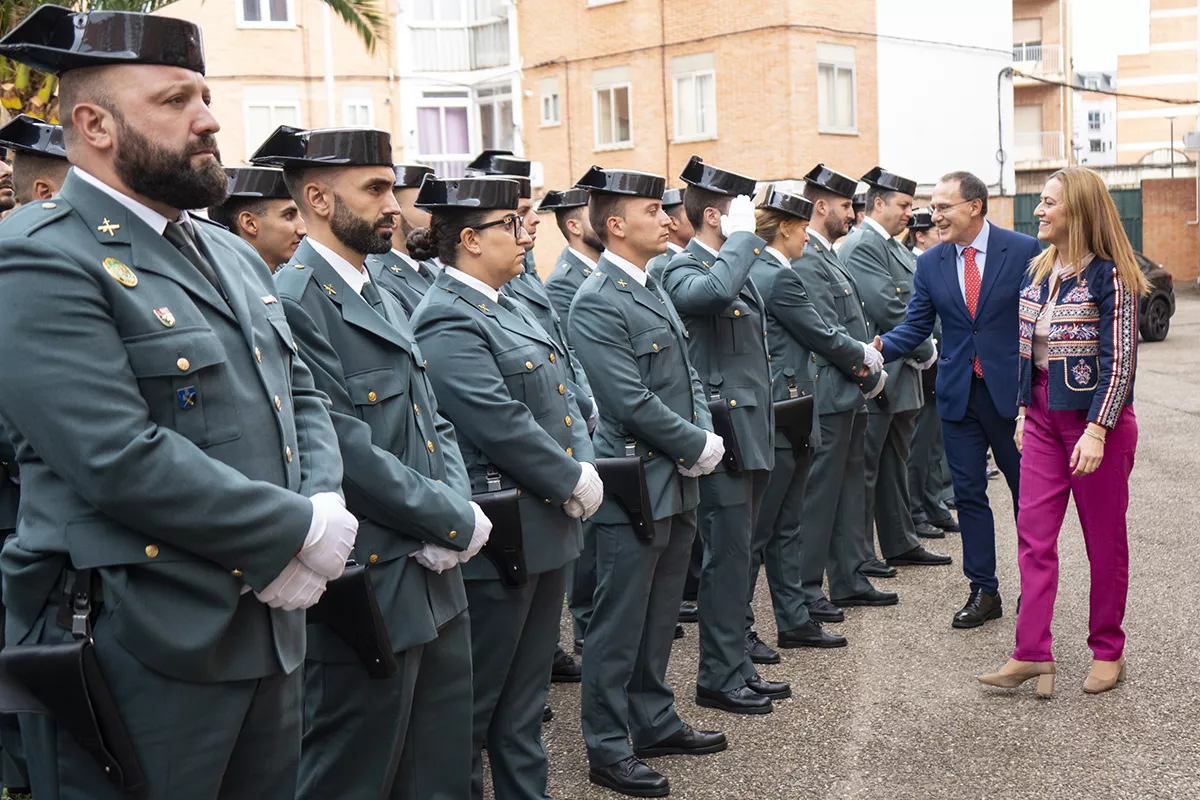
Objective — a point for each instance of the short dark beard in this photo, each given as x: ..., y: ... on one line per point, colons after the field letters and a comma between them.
x: 835, y: 228
x: 590, y: 239
x: 165, y: 176
x: 405, y: 226
x: 357, y: 233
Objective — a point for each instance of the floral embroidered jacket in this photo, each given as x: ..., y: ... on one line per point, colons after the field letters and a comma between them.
x: 1092, y: 345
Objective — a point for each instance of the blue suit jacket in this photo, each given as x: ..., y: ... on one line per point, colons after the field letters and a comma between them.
x: 992, y: 334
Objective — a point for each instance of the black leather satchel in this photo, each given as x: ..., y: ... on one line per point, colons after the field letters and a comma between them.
x: 722, y: 422
x: 351, y: 611
x: 505, y: 546
x: 794, y: 417
x: 625, y: 482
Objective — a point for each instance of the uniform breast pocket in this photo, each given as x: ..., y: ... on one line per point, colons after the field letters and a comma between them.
x: 526, y: 376
x: 185, y: 378
x: 287, y: 342
x: 843, y: 301
x: 374, y: 392
x: 653, y: 349
x: 737, y: 323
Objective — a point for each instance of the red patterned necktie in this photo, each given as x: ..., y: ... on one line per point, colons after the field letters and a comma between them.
x: 971, y: 284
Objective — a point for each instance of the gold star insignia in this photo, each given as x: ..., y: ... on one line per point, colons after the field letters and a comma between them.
x: 329, y: 288
x: 482, y: 307
x: 396, y: 270
x: 622, y: 282
x: 587, y: 271
x: 108, y: 227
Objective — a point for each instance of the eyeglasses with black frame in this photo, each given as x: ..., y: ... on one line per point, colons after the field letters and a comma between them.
x: 513, y: 220
x: 944, y: 207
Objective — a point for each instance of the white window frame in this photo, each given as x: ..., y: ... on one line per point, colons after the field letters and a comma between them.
x: 1099, y: 120
x: 556, y: 120
x: 611, y: 87
x: 361, y: 102
x: 264, y: 5
x: 271, y: 104
x: 852, y: 130
x: 675, y: 79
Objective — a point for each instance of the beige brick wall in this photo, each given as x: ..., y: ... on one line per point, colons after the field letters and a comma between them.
x: 1167, y: 207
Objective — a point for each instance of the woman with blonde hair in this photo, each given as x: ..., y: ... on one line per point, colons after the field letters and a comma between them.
x: 1076, y: 427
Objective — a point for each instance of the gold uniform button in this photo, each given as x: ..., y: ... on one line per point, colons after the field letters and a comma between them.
x: 737, y: 312
x: 237, y: 573
x: 847, y: 291
x: 570, y: 452
x: 655, y: 345
x: 650, y: 453
x: 429, y: 445
x: 278, y: 404
x: 568, y: 420
x: 681, y: 461
x: 258, y: 355
x: 528, y: 365
x: 452, y: 535
x: 757, y: 251
x: 732, y: 403
x: 152, y: 550
x: 49, y: 205
x: 287, y: 452
x: 562, y: 389
x: 373, y: 558
x: 416, y: 409
x: 552, y: 358
x: 183, y: 364
x: 371, y: 397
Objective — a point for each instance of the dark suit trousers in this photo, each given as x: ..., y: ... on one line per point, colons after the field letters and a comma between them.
x: 777, y: 538
x: 888, y: 507
x: 967, y: 442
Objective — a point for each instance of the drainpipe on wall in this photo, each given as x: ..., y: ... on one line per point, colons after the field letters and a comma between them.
x: 327, y: 25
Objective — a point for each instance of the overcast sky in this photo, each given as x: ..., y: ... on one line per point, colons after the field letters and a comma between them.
x: 1105, y: 29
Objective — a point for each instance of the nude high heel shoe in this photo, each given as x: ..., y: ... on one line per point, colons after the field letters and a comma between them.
x: 1015, y: 672
x: 1104, y: 675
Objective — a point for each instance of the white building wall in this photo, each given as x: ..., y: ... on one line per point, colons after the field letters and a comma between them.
x: 1107, y: 135
x: 938, y: 106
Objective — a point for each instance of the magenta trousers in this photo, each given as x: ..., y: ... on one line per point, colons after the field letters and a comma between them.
x: 1102, y: 500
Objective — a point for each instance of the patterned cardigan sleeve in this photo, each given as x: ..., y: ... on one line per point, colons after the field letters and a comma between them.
x: 1118, y: 343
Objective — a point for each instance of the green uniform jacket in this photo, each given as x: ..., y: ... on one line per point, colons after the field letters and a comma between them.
x: 634, y: 348
x: 835, y: 299
x: 404, y: 477
x: 166, y: 437
x: 397, y: 277
x: 569, y: 274
x: 725, y: 318
x: 502, y: 383
x: 884, y: 272
x: 658, y: 264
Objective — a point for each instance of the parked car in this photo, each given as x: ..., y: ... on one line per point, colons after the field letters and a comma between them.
x: 1159, y: 306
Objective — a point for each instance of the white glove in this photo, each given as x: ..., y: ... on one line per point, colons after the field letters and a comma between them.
x: 436, y: 558
x: 879, y: 386
x: 479, y: 537
x: 710, y: 457
x: 574, y: 508
x: 872, y: 357
x: 296, y: 587
x: 330, y: 535
x: 739, y: 218
x: 589, y: 490
x: 594, y: 417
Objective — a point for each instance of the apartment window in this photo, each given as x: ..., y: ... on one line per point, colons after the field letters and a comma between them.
x: 1093, y: 120
x: 1093, y: 84
x: 836, y: 91
x: 1095, y: 146
x: 443, y: 133
x: 1027, y: 39
x: 358, y: 114
x: 495, y: 116
x: 263, y: 116
x: 611, y: 108
x: 265, y: 13
x: 551, y: 113
x: 695, y: 97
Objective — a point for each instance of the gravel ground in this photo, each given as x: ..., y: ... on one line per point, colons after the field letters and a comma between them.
x: 897, y: 714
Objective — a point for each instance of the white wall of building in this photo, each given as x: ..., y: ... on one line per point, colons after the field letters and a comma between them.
x: 1085, y: 135
x: 938, y: 68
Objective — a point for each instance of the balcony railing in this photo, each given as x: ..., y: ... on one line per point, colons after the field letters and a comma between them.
x: 460, y: 48
x: 1038, y: 58
x: 1040, y: 146
x: 446, y: 167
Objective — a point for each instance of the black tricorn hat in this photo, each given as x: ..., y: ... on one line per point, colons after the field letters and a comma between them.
x: 409, y: 176
x: 921, y: 220
x: 55, y: 39
x: 564, y: 200
x: 499, y: 162
x: 672, y: 198
x: 623, y: 181
x: 325, y: 147
x: 27, y: 134
x: 879, y: 178
x: 265, y: 182
x: 714, y: 179
x: 860, y: 201
x: 482, y: 194
x: 832, y: 181
x: 791, y: 204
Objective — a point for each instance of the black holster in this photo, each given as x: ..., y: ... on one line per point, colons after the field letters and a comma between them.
x: 505, y: 546
x: 722, y: 422
x: 625, y: 482
x: 794, y: 419
x: 351, y: 611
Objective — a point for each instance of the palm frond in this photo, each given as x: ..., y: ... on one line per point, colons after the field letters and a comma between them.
x: 364, y: 16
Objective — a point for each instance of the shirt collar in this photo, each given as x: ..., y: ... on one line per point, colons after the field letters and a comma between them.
x: 407, y: 259
x: 638, y: 275
x: 437, y: 262
x: 715, y: 254
x: 877, y: 227
x: 674, y: 248
x: 355, y: 278
x: 821, y: 240
x: 474, y: 283
x: 780, y: 257
x: 587, y: 262
x: 980, y: 243
x: 156, y: 221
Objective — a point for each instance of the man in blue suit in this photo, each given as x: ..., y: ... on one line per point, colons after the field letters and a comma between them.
x: 971, y: 281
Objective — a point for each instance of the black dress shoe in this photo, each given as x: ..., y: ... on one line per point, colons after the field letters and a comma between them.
x: 688, y: 612
x: 566, y: 670
x: 919, y: 557
x: 927, y: 530
x: 632, y: 778
x: 547, y: 713
x: 824, y: 611
x: 949, y: 525
x: 875, y: 597
x: 758, y: 650
x: 993, y: 472
x: 742, y: 700
x: 679, y: 634
x: 687, y: 741
x: 979, y: 609
x: 874, y: 568
x: 579, y: 647
x: 810, y: 634
x: 776, y: 690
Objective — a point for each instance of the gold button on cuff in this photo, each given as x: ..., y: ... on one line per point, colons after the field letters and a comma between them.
x: 152, y: 550
x: 567, y: 420
x: 371, y: 397
x: 737, y: 312
x: 237, y: 573
x: 258, y: 355
x: 429, y: 445
x: 570, y: 452
x: 681, y: 461
x: 278, y: 404
x: 287, y: 453
x: 183, y: 364
x: 373, y: 558
x: 528, y: 365
x: 562, y: 389
x: 732, y: 403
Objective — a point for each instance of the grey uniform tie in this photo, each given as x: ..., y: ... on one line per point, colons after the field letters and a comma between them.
x: 177, y: 235
x: 372, y: 296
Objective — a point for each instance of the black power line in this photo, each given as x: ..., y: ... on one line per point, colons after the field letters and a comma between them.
x: 1175, y: 101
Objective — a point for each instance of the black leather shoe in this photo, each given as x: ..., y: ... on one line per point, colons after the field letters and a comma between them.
x: 875, y: 597
x: 688, y: 612
x: 679, y: 634
x: 758, y: 650
x: 687, y: 741
x: 979, y: 609
x: 927, y: 530
x: 877, y: 569
x: 547, y: 713
x: 566, y: 670
x: 742, y: 700
x: 632, y: 778
x: 824, y: 611
x: 810, y: 634
x: 993, y: 472
x: 919, y: 557
x: 579, y: 647
x: 949, y: 525
x: 776, y: 690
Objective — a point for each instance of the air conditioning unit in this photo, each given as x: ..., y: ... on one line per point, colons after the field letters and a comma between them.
x: 1191, y: 141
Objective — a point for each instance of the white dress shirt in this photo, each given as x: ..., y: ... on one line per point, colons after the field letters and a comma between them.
x: 587, y: 262
x: 407, y: 259
x: 779, y: 256
x: 980, y: 244
x: 821, y: 240
x: 156, y: 221
x: 673, y: 248
x: 474, y: 283
x: 637, y: 274
x: 715, y: 254
x: 355, y: 277
x: 875, y: 226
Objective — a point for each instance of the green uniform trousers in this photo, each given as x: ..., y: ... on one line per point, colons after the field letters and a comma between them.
x: 400, y: 737
x: 581, y: 582
x: 639, y: 583
x: 513, y: 633
x: 928, y: 475
x: 777, y: 538
x: 889, y: 502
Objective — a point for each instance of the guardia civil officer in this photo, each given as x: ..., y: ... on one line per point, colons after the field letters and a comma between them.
x: 634, y: 348
x: 39, y: 159
x: 500, y: 380
x: 177, y: 465
x: 883, y: 270
x: 259, y: 209
x: 8, y: 197
x: 404, y: 276
x: 14, y: 773
x: 834, y: 539
x: 709, y: 284
x: 680, y: 232
x: 579, y: 257
x: 782, y: 221
x: 404, y: 480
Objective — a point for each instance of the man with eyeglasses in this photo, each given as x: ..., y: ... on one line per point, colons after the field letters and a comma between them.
x: 971, y: 281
